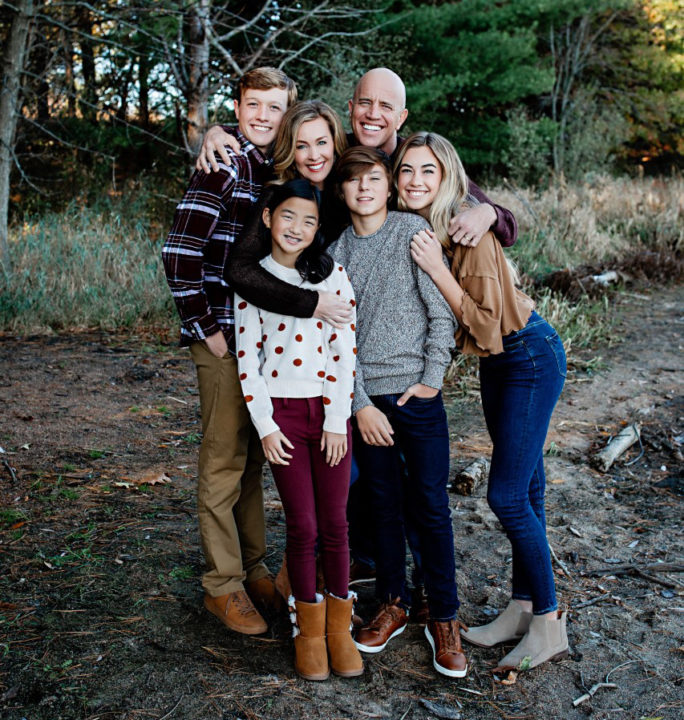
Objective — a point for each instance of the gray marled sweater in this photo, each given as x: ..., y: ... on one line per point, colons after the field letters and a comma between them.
x: 405, y: 329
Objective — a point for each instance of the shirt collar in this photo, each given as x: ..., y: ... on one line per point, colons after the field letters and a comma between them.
x: 248, y: 148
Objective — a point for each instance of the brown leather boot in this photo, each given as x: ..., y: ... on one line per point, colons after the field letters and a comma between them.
x: 282, y: 581
x: 263, y: 594
x: 235, y: 611
x: 345, y: 659
x: 311, y: 654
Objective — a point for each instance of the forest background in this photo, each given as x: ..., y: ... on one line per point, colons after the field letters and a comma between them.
x: 569, y: 111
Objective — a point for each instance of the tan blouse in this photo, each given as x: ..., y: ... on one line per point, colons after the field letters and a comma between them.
x: 492, y: 305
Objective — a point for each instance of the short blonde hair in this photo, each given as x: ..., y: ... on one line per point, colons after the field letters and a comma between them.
x: 294, y: 118
x: 267, y: 78
x: 453, y: 190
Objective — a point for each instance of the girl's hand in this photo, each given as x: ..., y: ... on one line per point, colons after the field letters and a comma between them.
x: 333, y: 309
x: 374, y: 426
x: 215, y: 141
x: 420, y: 391
x: 274, y: 448
x: 426, y: 251
x: 335, y: 447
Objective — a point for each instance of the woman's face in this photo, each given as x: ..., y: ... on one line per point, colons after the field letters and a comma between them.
x: 418, y: 179
x: 314, y: 151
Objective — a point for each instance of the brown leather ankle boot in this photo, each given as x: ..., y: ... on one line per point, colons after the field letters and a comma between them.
x: 311, y: 654
x: 345, y: 659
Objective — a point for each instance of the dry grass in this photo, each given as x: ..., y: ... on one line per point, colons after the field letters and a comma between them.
x: 84, y: 268
x: 569, y: 225
x: 100, y: 267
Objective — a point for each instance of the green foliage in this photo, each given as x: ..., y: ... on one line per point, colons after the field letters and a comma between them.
x: 527, y: 156
x: 87, y: 267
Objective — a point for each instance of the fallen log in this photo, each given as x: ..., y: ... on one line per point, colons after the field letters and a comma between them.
x: 467, y: 480
x: 612, y: 451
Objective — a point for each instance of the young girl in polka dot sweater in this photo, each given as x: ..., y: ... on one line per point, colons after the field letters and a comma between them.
x: 297, y: 376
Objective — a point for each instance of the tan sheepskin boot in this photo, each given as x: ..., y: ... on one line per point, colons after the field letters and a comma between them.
x: 511, y: 624
x: 345, y: 659
x: 546, y: 639
x: 311, y: 654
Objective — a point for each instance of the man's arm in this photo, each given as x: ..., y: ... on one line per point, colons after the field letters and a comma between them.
x: 215, y: 140
x: 183, y: 252
x: 470, y: 226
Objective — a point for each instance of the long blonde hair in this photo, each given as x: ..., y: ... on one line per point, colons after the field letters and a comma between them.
x: 452, y: 196
x: 294, y: 118
x: 453, y: 190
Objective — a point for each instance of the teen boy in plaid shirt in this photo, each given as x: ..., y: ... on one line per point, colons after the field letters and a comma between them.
x: 207, y: 221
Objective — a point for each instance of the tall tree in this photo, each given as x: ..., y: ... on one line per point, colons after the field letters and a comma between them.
x: 10, y: 104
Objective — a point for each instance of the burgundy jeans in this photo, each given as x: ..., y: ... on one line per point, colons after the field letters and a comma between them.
x: 314, y: 497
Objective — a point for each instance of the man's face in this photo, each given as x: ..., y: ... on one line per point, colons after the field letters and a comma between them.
x: 377, y: 112
x: 259, y: 114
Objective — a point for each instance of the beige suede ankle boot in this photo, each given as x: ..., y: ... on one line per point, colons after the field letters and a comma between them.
x: 546, y: 639
x: 345, y: 659
x: 511, y: 624
x: 311, y: 654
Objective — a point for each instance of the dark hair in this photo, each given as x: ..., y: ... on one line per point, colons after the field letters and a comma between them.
x: 358, y: 160
x: 314, y: 264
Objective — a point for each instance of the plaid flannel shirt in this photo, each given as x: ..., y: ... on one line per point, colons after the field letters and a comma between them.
x: 208, y: 220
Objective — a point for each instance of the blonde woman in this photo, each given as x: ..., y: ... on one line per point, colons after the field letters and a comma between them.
x: 309, y: 141
x: 522, y: 371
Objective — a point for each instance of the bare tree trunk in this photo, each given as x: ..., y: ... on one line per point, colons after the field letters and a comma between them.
x: 197, y: 96
x: 571, y: 48
x: 84, y: 23
x: 144, y: 90
x: 13, y: 65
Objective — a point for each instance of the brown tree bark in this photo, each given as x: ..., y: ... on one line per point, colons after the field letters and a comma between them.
x: 10, y: 105
x: 197, y: 96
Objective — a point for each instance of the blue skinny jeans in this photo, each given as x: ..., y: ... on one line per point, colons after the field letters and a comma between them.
x: 520, y: 388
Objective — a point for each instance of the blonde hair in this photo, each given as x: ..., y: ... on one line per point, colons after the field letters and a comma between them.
x: 294, y: 118
x: 267, y: 78
x: 452, y: 196
x: 453, y: 190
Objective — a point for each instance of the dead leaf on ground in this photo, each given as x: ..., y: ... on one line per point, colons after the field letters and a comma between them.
x: 147, y: 477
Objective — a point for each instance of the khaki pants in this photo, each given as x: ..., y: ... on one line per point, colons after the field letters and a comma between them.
x: 230, y: 500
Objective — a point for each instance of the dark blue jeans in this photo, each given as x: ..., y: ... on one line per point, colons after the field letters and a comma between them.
x: 520, y: 388
x: 421, y: 434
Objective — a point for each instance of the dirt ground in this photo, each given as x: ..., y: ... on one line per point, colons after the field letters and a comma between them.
x: 100, y: 601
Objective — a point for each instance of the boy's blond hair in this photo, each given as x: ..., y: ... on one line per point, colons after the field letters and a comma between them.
x: 266, y: 78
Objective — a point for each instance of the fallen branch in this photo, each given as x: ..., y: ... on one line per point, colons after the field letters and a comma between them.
x: 593, y: 601
x: 560, y: 563
x: 10, y: 469
x: 630, y: 568
x: 624, y: 440
x: 592, y: 691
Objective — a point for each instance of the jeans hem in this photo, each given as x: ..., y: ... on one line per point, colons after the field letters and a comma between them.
x: 544, y: 612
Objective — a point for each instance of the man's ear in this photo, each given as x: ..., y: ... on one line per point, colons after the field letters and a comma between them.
x: 351, y: 105
x: 402, y: 117
x: 266, y: 217
x: 236, y: 109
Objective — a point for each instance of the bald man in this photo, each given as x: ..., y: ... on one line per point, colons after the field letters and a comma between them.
x: 377, y: 112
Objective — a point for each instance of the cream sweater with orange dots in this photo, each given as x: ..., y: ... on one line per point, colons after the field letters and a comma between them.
x: 289, y: 357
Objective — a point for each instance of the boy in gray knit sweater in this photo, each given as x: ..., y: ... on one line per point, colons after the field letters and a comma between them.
x: 405, y: 333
